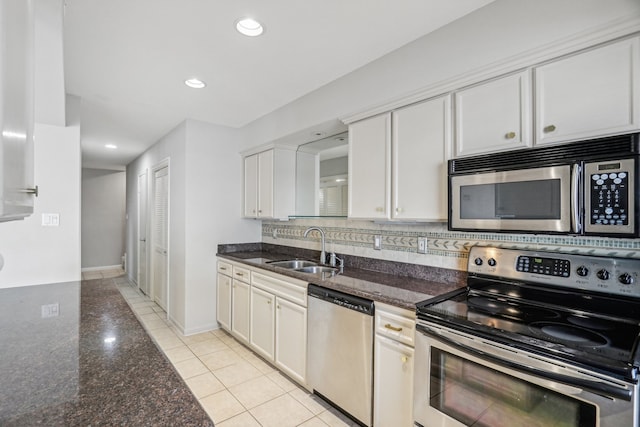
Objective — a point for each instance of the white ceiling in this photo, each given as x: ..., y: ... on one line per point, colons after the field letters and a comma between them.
x: 127, y: 59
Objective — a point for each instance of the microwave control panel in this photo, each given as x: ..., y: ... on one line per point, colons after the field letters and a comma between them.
x: 608, y: 205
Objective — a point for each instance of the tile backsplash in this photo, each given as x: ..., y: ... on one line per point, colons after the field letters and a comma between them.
x: 447, y: 249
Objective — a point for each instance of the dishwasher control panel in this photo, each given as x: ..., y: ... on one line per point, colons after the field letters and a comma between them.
x: 352, y: 302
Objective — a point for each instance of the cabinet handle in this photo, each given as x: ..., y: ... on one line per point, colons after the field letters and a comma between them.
x: 269, y: 302
x: 510, y: 135
x: 399, y: 210
x: 278, y: 306
x: 393, y: 328
x: 223, y: 268
x: 240, y: 274
x: 404, y: 359
x: 549, y: 128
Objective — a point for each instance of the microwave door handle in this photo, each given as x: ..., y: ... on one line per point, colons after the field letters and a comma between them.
x: 599, y: 388
x: 576, y: 225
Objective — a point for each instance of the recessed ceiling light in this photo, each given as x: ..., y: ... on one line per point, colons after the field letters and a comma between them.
x: 195, y: 83
x: 110, y: 146
x: 249, y: 27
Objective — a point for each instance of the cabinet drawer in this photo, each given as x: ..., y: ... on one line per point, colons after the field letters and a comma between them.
x: 395, y: 325
x: 242, y: 274
x: 287, y: 290
x: 225, y: 268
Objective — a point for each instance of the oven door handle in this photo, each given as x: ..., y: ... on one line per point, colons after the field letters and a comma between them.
x: 601, y: 389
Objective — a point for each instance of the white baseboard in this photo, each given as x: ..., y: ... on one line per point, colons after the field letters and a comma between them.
x: 104, y: 267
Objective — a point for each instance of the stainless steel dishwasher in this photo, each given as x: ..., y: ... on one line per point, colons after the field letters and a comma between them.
x: 340, y: 350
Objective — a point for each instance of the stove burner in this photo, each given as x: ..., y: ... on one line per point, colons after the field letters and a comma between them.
x: 592, y: 323
x: 504, y: 308
x: 570, y: 334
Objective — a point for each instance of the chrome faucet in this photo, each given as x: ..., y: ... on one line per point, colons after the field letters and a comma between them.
x: 323, y: 256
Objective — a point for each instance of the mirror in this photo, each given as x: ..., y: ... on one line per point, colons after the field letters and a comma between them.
x: 322, y: 177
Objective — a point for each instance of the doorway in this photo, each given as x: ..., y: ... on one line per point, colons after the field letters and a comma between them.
x: 143, y: 199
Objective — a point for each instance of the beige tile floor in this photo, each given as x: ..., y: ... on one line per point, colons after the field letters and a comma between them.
x: 234, y: 386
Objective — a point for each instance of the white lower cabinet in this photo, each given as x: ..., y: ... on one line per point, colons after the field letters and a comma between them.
x: 223, y: 295
x: 240, y: 309
x: 291, y: 339
x: 393, y: 367
x: 279, y: 322
x: 263, y: 322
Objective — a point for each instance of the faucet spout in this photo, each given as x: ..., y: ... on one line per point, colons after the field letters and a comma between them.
x: 323, y: 256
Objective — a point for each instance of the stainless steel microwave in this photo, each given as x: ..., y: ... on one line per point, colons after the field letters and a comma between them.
x: 587, y: 187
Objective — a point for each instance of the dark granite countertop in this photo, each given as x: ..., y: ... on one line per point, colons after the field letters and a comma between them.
x: 384, y: 281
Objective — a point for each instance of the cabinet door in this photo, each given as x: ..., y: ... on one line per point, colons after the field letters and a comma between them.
x: 494, y: 115
x: 589, y: 94
x: 262, y: 322
x: 370, y: 167
x: 265, y: 184
x: 393, y: 382
x: 421, y: 141
x: 223, y: 302
x: 16, y: 109
x: 240, y: 298
x: 291, y: 339
x: 251, y: 186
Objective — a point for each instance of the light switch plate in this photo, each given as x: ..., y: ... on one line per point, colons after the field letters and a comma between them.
x: 50, y: 310
x: 50, y: 220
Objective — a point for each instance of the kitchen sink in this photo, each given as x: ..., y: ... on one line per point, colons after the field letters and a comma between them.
x: 294, y: 264
x: 318, y: 269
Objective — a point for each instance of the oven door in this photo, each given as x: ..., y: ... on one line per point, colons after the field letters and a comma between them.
x: 530, y: 200
x: 462, y: 380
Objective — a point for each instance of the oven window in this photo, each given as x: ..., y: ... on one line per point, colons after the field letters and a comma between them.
x: 479, y: 396
x: 534, y: 199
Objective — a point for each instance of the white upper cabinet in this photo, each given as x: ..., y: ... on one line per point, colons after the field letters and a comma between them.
x: 401, y: 175
x: 421, y: 144
x: 370, y: 168
x: 494, y: 115
x: 589, y: 94
x: 269, y: 184
x: 251, y: 186
x: 16, y: 109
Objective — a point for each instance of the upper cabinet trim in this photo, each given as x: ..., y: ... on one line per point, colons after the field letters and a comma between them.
x: 610, y: 32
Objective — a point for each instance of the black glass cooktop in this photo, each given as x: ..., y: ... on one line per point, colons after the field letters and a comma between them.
x: 598, y: 331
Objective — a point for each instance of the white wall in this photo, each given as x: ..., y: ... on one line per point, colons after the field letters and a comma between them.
x: 213, y: 212
x: 204, y: 210
x: 504, y: 29
x: 34, y: 254
x: 103, y: 217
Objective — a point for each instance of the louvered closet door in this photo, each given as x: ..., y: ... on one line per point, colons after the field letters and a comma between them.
x: 160, y: 235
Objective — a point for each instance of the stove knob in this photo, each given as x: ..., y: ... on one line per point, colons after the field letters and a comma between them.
x: 478, y: 261
x: 625, y: 279
x: 603, y: 274
x: 492, y: 262
x: 582, y: 271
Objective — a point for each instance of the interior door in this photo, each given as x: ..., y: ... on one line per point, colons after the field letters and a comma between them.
x: 143, y: 283
x: 160, y: 240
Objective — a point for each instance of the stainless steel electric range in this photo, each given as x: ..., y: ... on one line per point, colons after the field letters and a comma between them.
x: 535, y: 339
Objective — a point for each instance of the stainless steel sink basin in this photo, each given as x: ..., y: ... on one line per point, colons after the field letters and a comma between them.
x: 317, y: 269
x: 294, y: 264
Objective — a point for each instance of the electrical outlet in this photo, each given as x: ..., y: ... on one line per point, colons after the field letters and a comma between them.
x: 377, y: 242
x: 422, y: 245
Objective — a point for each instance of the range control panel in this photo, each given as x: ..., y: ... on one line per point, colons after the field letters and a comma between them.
x: 620, y: 276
